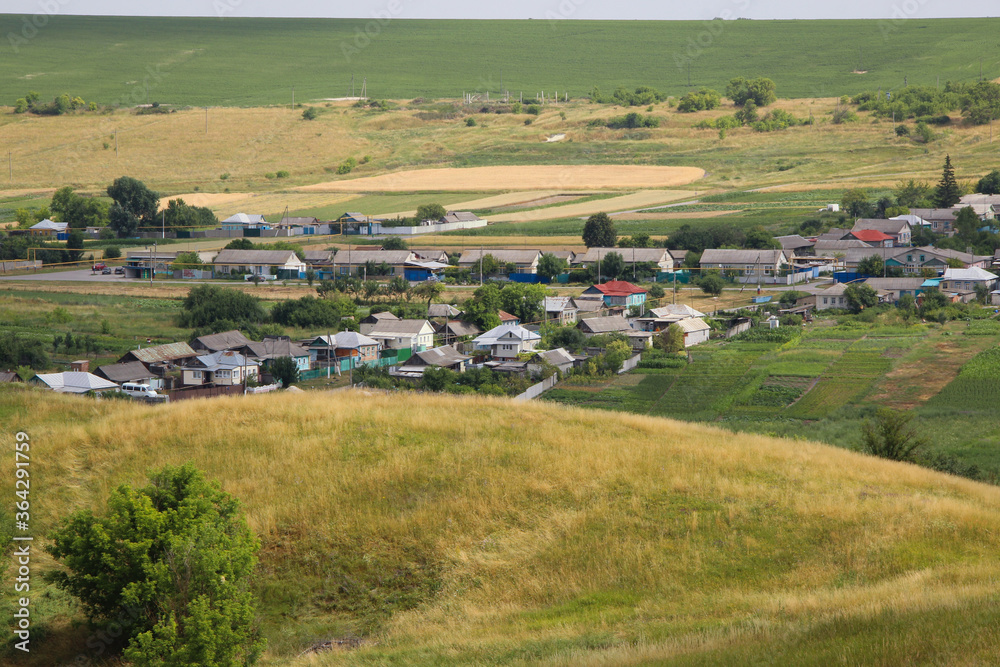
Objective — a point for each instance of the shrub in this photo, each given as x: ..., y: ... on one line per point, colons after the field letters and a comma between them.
x: 533, y: 109
x: 633, y: 120
x: 703, y: 100
x: 889, y: 435
x: 112, y: 252
x: 282, y: 174
x: 310, y: 113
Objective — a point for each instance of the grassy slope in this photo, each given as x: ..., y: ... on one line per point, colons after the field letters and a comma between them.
x: 206, y: 61
x: 457, y: 531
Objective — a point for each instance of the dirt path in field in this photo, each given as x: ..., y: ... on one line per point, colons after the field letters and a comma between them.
x: 586, y: 177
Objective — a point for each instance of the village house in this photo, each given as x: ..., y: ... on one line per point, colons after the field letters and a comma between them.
x: 619, y: 294
x: 560, y: 309
x: 218, y: 369
x: 507, y: 341
x: 326, y: 350
x: 48, y: 229
x: 831, y: 297
x: 940, y: 220
x: 275, y: 347
x: 445, y: 310
x: 959, y: 280
x: 226, y: 340
x: 132, y: 371
x: 874, y: 238
x: 659, y: 319
x: 161, y: 360
x: 242, y: 221
x: 795, y: 245
x: 695, y: 330
x: 898, y: 230
x: 281, y: 263
x: 523, y: 261
x: 562, y: 360
x: 445, y: 356
x: 457, y: 331
x: 660, y: 257
x: 593, y: 326
x: 73, y: 382
x: 892, y: 289
x: 417, y: 335
x: 370, y: 263
x: 753, y: 264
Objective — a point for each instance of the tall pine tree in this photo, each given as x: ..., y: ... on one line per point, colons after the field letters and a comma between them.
x: 947, y: 193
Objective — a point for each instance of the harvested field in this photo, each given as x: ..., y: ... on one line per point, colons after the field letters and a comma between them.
x: 595, y: 177
x: 625, y: 202
x: 674, y: 216
x: 225, y: 204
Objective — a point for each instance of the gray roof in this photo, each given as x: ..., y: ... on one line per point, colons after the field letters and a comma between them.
x: 966, y: 257
x: 157, y: 353
x: 589, y: 305
x: 299, y: 221
x: 357, y: 257
x: 946, y: 214
x: 679, y: 255
x: 442, y: 310
x: 654, y: 255
x: 974, y: 274
x: 853, y: 255
x: 839, y: 246
x: 879, y: 225
x: 73, y: 382
x: 895, y: 283
x: 515, y: 330
x: 430, y: 254
x: 126, y: 372
x: 692, y: 324
x: 459, y: 328
x: 460, y: 216
x: 397, y: 328
x: 226, y: 340
x: 676, y: 310
x: 599, y: 325
x: 225, y: 359
x: 558, y: 304
x: 727, y: 256
x: 501, y: 255
x: 446, y: 355
x: 319, y: 256
x: 352, y: 340
x: 381, y: 316
x: 568, y: 255
x: 53, y: 226
x: 793, y: 242
x: 833, y: 234
x: 11, y: 376
x: 274, y: 348
x: 556, y: 357
x: 246, y: 219
x: 244, y: 257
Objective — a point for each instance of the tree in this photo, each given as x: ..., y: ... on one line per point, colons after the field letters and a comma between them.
x: 912, y: 193
x: 856, y: 204
x: 437, y: 379
x: 931, y: 300
x: 134, y: 203
x: 860, y: 296
x: 989, y: 184
x: 310, y: 276
x: 616, y: 353
x: 550, y: 266
x: 489, y: 265
x: 947, y: 193
x: 240, y: 244
x: 711, y: 284
x: 982, y: 294
x: 430, y: 290
x: 113, y: 252
x: 310, y: 113
x: 872, y: 265
x: 186, y: 260
x: 671, y: 339
x: 758, y: 238
x: 285, y: 371
x: 430, y: 212
x: 75, y: 245
x: 704, y: 99
x: 178, y: 215
x: 394, y: 243
x: 656, y: 292
x: 613, y: 265
x: 177, y: 556
x: 889, y: 435
x: 206, y: 304
x: 637, y: 240
x: 599, y: 231
x: 760, y: 91
x: 967, y: 223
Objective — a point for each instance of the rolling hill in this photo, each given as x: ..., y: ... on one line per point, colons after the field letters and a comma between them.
x: 228, y: 61
x: 443, y: 530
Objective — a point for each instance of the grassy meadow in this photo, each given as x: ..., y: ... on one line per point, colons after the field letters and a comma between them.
x: 442, y: 530
x: 205, y: 62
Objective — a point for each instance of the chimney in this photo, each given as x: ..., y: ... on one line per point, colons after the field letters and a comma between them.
x: 80, y: 366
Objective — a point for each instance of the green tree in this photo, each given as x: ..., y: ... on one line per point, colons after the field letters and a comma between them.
x: 860, y: 296
x: 75, y: 245
x: 310, y: 113
x: 550, y: 266
x: 704, y: 99
x: 760, y: 91
x: 206, y: 304
x: 613, y: 265
x: 240, y: 244
x: 430, y: 212
x: 967, y: 223
x: 112, y: 252
x: 186, y: 260
x: 178, y: 556
x: 759, y: 238
x: 711, y: 284
x: 482, y: 308
x: 982, y: 294
x: 671, y: 339
x: 947, y: 193
x: 856, y: 204
x: 394, y: 243
x: 178, y: 215
x: 134, y: 204
x: 437, y: 379
x: 912, y: 193
x: 989, y: 184
x: 285, y: 371
x: 599, y: 231
x: 890, y: 435
x: 931, y: 300
x: 656, y: 292
x: 872, y: 265
x: 430, y: 290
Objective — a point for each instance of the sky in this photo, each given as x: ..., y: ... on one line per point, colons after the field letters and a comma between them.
x: 519, y: 9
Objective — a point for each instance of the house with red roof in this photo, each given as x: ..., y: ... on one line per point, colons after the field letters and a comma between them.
x: 874, y: 238
x: 618, y: 293
x: 507, y: 318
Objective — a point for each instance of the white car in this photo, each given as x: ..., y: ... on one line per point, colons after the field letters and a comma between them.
x: 138, y: 390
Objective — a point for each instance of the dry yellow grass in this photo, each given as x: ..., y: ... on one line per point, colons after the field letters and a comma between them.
x: 625, y: 202
x: 557, y: 535
x: 585, y: 177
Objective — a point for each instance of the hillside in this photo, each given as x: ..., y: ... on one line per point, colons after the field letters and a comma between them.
x: 209, y: 61
x: 455, y: 531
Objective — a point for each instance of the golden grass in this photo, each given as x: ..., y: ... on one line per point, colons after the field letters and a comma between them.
x: 625, y: 202
x: 547, y: 524
x: 586, y: 177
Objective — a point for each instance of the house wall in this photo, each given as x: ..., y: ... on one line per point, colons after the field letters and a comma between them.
x: 696, y: 337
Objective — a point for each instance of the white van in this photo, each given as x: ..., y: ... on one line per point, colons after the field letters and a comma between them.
x: 138, y: 390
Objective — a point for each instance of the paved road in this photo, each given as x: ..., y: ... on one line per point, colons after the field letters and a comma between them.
x: 81, y: 275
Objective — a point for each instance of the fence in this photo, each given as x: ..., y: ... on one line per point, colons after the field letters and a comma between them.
x: 204, y: 392
x: 630, y: 364
x: 20, y: 265
x: 790, y: 279
x: 265, y: 389
x: 536, y: 390
x: 377, y: 229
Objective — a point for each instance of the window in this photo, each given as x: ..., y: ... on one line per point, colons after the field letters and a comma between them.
x: 825, y: 300
x: 196, y: 375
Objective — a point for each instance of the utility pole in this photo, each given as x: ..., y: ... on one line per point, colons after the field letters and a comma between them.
x: 152, y: 264
x: 163, y: 224
x: 480, y: 266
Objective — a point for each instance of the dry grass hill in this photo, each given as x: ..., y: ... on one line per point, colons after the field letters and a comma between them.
x: 446, y: 530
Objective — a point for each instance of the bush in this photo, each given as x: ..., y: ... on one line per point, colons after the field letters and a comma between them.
x: 282, y: 174
x: 889, y: 435
x: 703, y: 100
x: 312, y: 312
x: 176, y: 557
x: 633, y: 120
x: 310, y: 113
x: 207, y: 304
x: 533, y: 109
x: 112, y: 252
x: 470, y: 122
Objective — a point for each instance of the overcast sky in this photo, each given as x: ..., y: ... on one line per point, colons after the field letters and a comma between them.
x: 519, y: 9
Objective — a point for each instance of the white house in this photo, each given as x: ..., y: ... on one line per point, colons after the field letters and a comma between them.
x: 259, y: 262
x: 967, y: 279
x: 219, y: 368
x: 695, y: 331
x: 507, y: 341
x: 754, y: 263
x: 73, y: 382
x: 417, y: 335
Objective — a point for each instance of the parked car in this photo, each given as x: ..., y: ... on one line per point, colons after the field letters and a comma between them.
x: 100, y: 266
x: 119, y: 270
x: 138, y: 390
x: 106, y: 271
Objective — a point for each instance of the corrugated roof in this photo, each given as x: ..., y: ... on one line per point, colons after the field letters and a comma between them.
x: 225, y: 359
x: 871, y: 235
x: 589, y: 305
x: 459, y: 329
x: 226, y: 340
x: 727, y: 256
x: 692, y: 324
x: 557, y: 304
x: 168, y: 352
x: 501, y: 255
x: 352, y: 340
x: 644, y: 255
x: 446, y: 355
x: 246, y: 219
x: 125, y: 372
x: 396, y: 328
x: 51, y: 226
x: 975, y: 274
x: 244, y: 257
x: 557, y: 357
x: 885, y: 226
x: 894, y: 283
x: 516, y: 330
x: 793, y: 242
x: 460, y: 216
x: 837, y: 246
x: 676, y: 309
x: 605, y: 324
x: 442, y: 310
x: 74, y: 382
x: 618, y: 288
x: 357, y: 257
x: 274, y: 348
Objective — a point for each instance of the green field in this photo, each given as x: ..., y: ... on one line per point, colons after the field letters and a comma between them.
x: 246, y: 62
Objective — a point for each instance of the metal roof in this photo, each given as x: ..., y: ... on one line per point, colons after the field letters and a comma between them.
x: 605, y: 324
x: 226, y: 340
x: 74, y: 382
x: 269, y: 257
x: 645, y: 255
x: 502, y: 255
x: 125, y: 372
x: 168, y: 352
x: 727, y: 256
